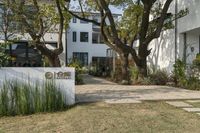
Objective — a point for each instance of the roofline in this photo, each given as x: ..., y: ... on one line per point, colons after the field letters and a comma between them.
x: 117, y: 14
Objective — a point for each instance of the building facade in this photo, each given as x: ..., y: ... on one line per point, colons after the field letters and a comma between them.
x: 83, y: 40
x: 85, y: 43
x: 182, y: 42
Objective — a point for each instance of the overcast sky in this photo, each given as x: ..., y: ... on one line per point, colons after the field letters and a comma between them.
x: 74, y: 5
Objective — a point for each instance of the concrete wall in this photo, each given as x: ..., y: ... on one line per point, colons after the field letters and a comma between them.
x: 163, y: 52
x: 34, y: 75
x: 191, y: 21
x: 163, y: 48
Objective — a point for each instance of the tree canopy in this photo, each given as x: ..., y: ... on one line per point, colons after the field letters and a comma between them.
x: 142, y: 20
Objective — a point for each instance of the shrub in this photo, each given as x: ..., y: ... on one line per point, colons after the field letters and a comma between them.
x: 4, y: 58
x: 179, y: 72
x: 78, y: 71
x: 19, y: 98
x: 134, y: 73
x: 144, y: 81
x: 189, y: 82
x: 196, y: 62
x: 193, y: 83
x: 159, y: 77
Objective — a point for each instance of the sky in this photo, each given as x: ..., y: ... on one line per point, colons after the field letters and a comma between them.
x: 74, y: 5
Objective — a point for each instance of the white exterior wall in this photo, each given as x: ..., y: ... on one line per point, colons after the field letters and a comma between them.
x: 93, y: 50
x: 35, y: 76
x: 163, y: 48
x: 191, y: 26
x: 163, y: 51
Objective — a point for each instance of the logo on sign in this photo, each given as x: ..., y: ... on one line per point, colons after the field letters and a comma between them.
x: 58, y: 75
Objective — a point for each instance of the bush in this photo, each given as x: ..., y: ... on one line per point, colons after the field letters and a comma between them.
x: 189, y: 82
x: 160, y: 77
x: 180, y: 73
x: 196, y: 62
x: 78, y: 71
x: 4, y: 58
x: 193, y: 83
x: 134, y: 73
x: 144, y: 81
x: 19, y: 98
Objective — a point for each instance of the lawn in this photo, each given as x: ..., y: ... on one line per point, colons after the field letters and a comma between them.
x: 148, y: 117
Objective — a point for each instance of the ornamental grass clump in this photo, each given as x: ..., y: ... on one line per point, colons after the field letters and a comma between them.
x: 23, y: 98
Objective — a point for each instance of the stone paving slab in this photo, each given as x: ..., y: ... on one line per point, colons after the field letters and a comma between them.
x: 193, y: 101
x: 114, y: 101
x: 97, y: 89
x: 192, y: 109
x: 178, y: 104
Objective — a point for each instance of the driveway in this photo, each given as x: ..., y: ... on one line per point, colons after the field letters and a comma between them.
x: 97, y: 89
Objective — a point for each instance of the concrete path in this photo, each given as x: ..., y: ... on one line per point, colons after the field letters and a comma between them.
x: 97, y: 89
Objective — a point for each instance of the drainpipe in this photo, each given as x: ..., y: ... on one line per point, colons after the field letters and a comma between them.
x: 184, y: 47
x: 66, y: 49
x: 176, y: 26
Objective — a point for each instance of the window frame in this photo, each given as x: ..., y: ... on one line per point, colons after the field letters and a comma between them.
x: 74, y: 20
x: 82, y: 38
x: 74, y: 36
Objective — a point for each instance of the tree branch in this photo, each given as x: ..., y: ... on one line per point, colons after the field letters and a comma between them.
x: 161, y: 21
x: 59, y: 50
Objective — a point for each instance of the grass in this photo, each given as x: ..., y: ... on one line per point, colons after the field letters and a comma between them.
x: 195, y: 105
x: 22, y: 98
x: 148, y: 117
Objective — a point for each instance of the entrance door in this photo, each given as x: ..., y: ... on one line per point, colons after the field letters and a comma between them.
x: 81, y: 57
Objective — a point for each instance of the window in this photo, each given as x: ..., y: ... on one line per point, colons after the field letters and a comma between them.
x: 83, y: 22
x: 74, y: 36
x: 97, y: 38
x: 81, y: 57
x: 83, y: 36
x: 74, y: 20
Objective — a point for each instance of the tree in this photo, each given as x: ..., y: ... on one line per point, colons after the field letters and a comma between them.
x: 135, y: 25
x: 39, y: 18
x: 7, y: 26
x: 3, y: 56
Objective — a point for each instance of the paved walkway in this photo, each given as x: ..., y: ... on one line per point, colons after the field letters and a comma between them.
x: 97, y: 89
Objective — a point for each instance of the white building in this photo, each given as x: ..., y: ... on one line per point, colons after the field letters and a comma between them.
x: 84, y: 41
x: 183, y: 42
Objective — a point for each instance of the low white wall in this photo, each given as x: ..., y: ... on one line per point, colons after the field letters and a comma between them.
x: 66, y: 80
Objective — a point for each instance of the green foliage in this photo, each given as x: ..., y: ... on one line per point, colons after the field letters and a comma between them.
x: 19, y: 98
x: 159, y: 77
x: 78, y: 71
x: 4, y: 58
x: 193, y: 83
x: 131, y: 19
x: 48, y: 12
x: 196, y: 62
x: 134, y: 73
x: 189, y: 82
x: 179, y: 72
x: 32, y: 16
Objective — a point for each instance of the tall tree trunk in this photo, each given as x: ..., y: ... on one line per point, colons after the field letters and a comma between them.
x: 142, y: 68
x: 54, y: 60
x: 52, y: 56
x: 125, y: 68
